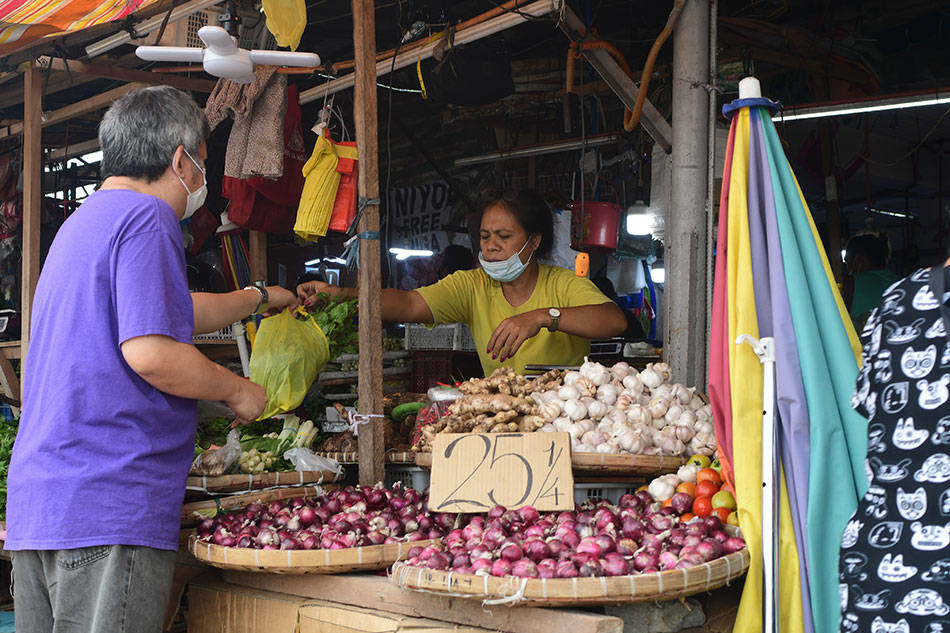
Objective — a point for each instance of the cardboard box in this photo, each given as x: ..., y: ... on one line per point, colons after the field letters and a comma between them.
x: 217, y: 607
x: 329, y: 617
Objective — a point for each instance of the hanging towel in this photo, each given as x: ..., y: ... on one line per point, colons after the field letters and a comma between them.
x: 256, y: 144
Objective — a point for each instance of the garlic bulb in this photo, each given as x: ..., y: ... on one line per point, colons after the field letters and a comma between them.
x: 595, y: 372
x: 608, y: 447
x: 650, y: 377
x: 593, y: 438
x: 658, y: 407
x: 637, y: 414
x: 571, y: 377
x: 663, y: 391
x: 596, y: 410
x: 608, y: 394
x: 616, y: 415
x: 574, y: 409
x: 586, y: 387
x: 605, y: 426
x: 550, y: 410
x: 562, y: 424
x: 682, y: 393
x: 584, y: 448
x: 665, y: 371
x: 696, y: 403
x: 621, y: 370
x: 587, y: 425
x: 644, y: 399
x: 576, y: 431
x: 547, y: 428
x: 684, y: 433
x: 624, y: 400
x: 568, y: 392
x: 673, y: 413
x: 687, y: 418
x: 633, y: 384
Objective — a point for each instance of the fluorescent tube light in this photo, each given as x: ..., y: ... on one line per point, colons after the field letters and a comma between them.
x: 405, y: 253
x: 658, y: 275
x: 938, y: 97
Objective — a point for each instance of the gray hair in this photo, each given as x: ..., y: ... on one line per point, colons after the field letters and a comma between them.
x: 141, y: 131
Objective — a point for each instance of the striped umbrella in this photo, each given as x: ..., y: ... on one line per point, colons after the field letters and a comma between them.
x: 24, y: 21
x: 772, y: 280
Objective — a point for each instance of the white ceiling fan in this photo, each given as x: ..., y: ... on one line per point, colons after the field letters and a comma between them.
x: 223, y: 58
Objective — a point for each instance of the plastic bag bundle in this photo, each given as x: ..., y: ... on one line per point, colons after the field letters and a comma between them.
x: 320, y: 189
x: 286, y: 20
x: 287, y: 356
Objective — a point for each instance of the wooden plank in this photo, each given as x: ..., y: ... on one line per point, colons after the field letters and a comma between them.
x: 73, y: 110
x: 605, y: 464
x: 374, y: 592
x: 128, y: 74
x: 61, y: 153
x: 257, y: 245
x: 370, y: 387
x: 32, y: 197
x: 8, y: 378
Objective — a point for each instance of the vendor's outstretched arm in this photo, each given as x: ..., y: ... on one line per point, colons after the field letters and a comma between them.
x: 598, y: 321
x: 398, y: 306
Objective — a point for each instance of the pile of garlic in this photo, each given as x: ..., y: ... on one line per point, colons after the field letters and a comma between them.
x: 621, y: 410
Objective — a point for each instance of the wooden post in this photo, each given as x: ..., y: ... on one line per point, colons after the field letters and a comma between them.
x: 32, y: 197
x: 370, y: 389
x: 257, y: 245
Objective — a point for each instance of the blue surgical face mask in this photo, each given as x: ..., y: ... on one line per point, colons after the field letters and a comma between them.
x: 507, y: 269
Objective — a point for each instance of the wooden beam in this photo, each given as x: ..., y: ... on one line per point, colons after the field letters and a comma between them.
x: 61, y: 153
x: 73, y: 110
x: 370, y: 387
x: 128, y: 74
x: 257, y: 245
x: 32, y: 197
x: 375, y: 592
x: 57, y: 82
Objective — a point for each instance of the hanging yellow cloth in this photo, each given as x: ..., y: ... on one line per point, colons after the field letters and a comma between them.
x: 320, y: 188
x: 286, y: 20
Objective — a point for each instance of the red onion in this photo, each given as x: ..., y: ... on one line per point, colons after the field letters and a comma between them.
x: 570, y: 539
x: 472, y: 531
x: 712, y: 522
x: 528, y: 514
x: 565, y: 569
x: 632, y: 529
x: 414, y: 536
x: 607, y: 544
x: 697, y: 528
x: 668, y: 560
x: 733, y: 545
x: 461, y: 560
x: 659, y: 523
x: 605, y: 520
x: 645, y: 497
x: 288, y: 543
x: 536, y: 550
x: 274, y: 507
x: 494, y: 536
x: 627, y: 547
x: 547, y: 568
x: 375, y: 538
x: 309, y: 542
x: 501, y: 567
x: 591, y: 568
x: 375, y: 499
x: 463, y: 570
x: 719, y: 535
x: 691, y: 556
x: 296, y: 502
x: 497, y: 512
x: 692, y: 540
x: 424, y: 522
x: 391, y: 539
x: 566, y: 516
x: 438, y: 561
x: 398, y: 503
x: 333, y: 506
x: 681, y: 502
x: 412, y: 495
x: 590, y: 546
x: 205, y: 527
x: 616, y: 565
x: 710, y: 549
x: 645, y: 560
x: 534, y: 531
x: 444, y: 521
x: 434, y: 533
x: 555, y: 546
x: 482, y: 565
x: 524, y: 568
x: 510, y: 551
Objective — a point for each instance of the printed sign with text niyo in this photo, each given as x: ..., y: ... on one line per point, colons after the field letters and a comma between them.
x: 473, y: 472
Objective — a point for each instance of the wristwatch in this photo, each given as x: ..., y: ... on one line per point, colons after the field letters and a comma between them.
x: 262, y: 290
x: 555, y: 315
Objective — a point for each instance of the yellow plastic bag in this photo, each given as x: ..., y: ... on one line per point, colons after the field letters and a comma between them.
x: 286, y: 358
x: 320, y: 187
x: 286, y: 20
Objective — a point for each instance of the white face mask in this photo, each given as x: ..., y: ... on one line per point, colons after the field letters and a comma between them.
x: 507, y: 269
x: 197, y: 197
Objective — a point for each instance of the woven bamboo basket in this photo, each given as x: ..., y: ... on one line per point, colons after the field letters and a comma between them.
x: 606, y: 464
x: 353, y: 457
x: 193, y: 511
x: 572, y: 592
x: 250, y: 483
x: 317, y: 561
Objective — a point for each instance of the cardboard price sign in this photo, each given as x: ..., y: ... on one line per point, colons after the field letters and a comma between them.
x: 473, y: 472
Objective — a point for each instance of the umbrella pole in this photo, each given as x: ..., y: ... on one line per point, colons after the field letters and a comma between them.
x: 764, y: 348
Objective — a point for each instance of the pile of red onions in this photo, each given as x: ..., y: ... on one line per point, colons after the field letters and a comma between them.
x: 597, y: 539
x: 352, y: 517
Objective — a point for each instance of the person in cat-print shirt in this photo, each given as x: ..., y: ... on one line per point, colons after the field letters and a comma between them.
x: 894, y: 566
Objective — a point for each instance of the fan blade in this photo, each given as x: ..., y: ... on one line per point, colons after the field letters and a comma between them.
x: 169, y: 53
x: 285, y: 58
x: 218, y: 40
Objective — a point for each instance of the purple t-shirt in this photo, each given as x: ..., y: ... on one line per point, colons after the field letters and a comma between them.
x: 101, y: 456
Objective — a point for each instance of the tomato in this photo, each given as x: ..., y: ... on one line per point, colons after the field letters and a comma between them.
x: 700, y: 460
x: 722, y: 513
x: 643, y: 487
x: 688, y: 487
x: 709, y: 474
x: 724, y: 499
x: 687, y: 517
x: 702, y: 506
x: 706, y: 489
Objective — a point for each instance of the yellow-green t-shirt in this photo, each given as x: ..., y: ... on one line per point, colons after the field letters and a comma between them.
x: 474, y: 298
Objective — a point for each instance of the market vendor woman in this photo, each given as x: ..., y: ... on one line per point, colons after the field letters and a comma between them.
x: 520, y: 312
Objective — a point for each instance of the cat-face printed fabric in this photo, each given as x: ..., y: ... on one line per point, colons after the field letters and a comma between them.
x: 894, y: 567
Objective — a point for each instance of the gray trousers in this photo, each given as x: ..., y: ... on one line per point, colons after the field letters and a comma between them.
x: 101, y: 589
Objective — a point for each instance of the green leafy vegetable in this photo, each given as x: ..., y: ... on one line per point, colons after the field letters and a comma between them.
x: 7, y: 436
x: 336, y: 316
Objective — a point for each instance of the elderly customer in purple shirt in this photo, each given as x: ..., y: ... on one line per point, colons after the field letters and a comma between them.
x: 110, y: 381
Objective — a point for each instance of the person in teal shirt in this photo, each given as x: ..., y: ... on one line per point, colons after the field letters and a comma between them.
x: 866, y: 257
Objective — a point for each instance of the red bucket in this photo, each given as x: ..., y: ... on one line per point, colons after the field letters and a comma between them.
x: 596, y: 228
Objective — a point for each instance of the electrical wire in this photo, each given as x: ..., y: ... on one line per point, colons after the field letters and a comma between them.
x: 933, y: 129
x: 526, y: 16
